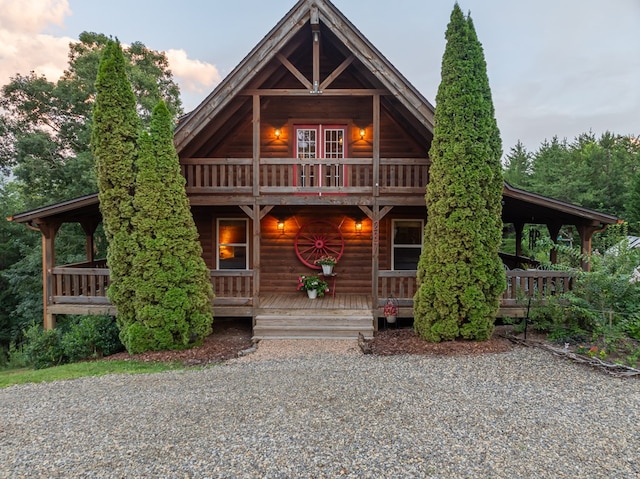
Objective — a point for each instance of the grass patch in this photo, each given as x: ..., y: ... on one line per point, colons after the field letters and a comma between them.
x: 80, y: 370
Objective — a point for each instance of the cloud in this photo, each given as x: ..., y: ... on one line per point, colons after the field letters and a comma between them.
x: 32, y: 16
x: 23, y: 48
x: 192, y: 75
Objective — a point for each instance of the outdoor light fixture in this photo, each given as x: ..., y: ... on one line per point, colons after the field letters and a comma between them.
x: 362, y: 132
x: 358, y: 226
x: 277, y: 133
x: 280, y: 226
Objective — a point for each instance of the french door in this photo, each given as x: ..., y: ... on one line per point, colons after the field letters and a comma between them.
x: 326, y: 144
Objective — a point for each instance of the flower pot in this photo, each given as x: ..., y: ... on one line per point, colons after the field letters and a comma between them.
x: 312, y: 293
x: 327, y: 269
x: 391, y: 319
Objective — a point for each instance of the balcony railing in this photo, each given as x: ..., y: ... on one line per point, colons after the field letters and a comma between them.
x: 305, y: 176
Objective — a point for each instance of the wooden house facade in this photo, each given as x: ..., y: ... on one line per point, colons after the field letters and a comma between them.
x: 314, y: 144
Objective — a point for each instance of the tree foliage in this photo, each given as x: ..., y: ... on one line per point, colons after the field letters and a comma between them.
x: 173, y: 289
x: 116, y: 127
x: 596, y: 173
x: 460, y: 275
x: 517, y: 167
x: 159, y: 281
x: 45, y: 129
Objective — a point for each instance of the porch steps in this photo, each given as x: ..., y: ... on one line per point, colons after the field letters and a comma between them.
x: 313, y: 324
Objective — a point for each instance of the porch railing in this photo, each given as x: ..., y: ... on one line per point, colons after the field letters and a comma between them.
x: 74, y: 284
x: 285, y: 175
x: 521, y: 284
x: 232, y: 287
x: 81, y: 284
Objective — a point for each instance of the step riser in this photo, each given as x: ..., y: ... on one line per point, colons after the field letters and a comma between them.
x: 325, y: 324
x: 310, y: 335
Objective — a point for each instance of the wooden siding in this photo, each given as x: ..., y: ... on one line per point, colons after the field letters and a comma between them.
x: 281, y: 267
x: 283, y: 113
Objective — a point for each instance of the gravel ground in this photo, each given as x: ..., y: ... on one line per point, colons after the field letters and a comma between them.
x: 520, y: 414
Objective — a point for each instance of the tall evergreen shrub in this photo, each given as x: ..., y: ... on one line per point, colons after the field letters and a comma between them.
x: 173, y: 289
x: 460, y: 274
x: 116, y: 128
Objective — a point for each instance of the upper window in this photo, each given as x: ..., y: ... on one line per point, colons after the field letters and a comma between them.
x: 326, y: 144
x: 233, y: 241
x: 407, y: 244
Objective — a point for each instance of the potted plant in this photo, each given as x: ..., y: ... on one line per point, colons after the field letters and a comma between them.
x: 391, y: 310
x: 327, y: 262
x: 313, y: 285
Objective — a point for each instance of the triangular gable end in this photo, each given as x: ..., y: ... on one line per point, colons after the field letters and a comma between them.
x: 301, y: 21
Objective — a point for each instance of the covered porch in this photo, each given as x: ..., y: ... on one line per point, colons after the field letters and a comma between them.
x: 81, y: 288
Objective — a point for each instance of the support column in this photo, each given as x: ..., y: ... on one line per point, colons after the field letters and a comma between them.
x: 376, y: 145
x: 519, y: 227
x: 586, y: 233
x: 48, y: 231
x: 89, y: 228
x: 554, y: 231
x: 375, y: 215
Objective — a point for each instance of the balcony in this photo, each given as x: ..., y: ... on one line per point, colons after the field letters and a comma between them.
x: 362, y: 178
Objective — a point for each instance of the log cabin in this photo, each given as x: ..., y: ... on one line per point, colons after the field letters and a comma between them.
x: 314, y: 144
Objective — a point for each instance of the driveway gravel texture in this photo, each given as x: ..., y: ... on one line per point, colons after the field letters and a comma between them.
x: 336, y: 414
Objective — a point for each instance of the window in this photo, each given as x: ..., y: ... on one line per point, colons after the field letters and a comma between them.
x: 233, y: 244
x: 406, y: 244
x: 326, y: 144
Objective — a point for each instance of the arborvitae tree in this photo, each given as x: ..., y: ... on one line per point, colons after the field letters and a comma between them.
x: 460, y: 274
x: 116, y: 128
x: 173, y: 289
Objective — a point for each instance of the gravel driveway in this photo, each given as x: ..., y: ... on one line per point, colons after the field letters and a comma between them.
x: 519, y: 414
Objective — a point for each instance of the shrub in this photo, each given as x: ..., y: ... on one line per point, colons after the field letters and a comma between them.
x: 44, y: 349
x: 604, y: 305
x: 91, y: 336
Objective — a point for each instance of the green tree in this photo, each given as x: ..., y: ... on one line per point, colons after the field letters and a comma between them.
x: 596, y: 173
x: 173, y: 291
x: 460, y: 274
x: 517, y: 168
x: 60, y: 113
x: 45, y: 130
x: 633, y: 204
x: 116, y: 127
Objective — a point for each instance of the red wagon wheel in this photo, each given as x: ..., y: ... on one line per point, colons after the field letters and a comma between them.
x: 318, y: 239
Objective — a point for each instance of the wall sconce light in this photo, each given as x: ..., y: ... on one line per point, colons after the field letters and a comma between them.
x: 362, y: 133
x: 280, y: 226
x: 277, y: 133
x: 358, y: 226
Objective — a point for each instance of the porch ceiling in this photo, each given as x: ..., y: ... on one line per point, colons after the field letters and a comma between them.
x: 522, y: 206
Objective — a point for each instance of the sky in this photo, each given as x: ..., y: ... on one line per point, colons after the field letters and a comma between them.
x: 556, y: 67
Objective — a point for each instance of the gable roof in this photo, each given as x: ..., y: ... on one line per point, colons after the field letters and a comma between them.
x: 272, y: 44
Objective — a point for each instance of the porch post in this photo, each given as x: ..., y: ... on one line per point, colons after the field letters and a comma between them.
x: 48, y: 231
x: 375, y: 262
x: 519, y: 229
x: 376, y: 145
x: 586, y: 233
x: 554, y: 231
x: 89, y: 228
x: 255, y: 216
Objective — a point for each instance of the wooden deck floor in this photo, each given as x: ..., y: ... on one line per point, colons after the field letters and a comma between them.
x: 301, y: 301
